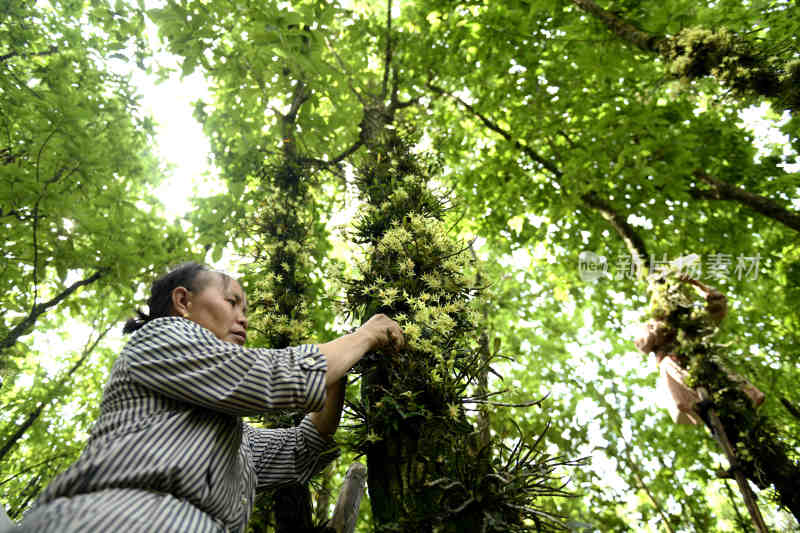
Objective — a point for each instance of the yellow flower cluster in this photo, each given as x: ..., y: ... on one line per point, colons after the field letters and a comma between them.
x: 294, y: 330
x: 415, y: 270
x: 395, y: 239
x: 406, y: 266
x: 278, y: 229
x: 388, y: 295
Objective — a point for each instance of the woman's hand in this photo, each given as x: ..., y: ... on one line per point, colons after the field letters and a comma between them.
x: 379, y: 331
x: 716, y: 302
x: 383, y: 332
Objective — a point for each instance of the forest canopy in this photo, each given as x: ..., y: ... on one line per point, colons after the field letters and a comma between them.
x: 500, y: 177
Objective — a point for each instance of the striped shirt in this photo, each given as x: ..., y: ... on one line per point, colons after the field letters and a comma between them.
x: 170, y: 447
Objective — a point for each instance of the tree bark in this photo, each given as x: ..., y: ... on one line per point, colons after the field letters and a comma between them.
x: 633, y: 242
x: 293, y: 509
x: 386, y: 477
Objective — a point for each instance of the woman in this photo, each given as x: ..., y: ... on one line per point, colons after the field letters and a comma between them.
x: 169, y: 451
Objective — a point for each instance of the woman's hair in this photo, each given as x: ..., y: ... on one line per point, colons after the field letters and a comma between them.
x: 160, y: 301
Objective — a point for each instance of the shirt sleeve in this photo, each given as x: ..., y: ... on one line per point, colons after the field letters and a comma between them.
x: 289, y: 455
x: 183, y: 360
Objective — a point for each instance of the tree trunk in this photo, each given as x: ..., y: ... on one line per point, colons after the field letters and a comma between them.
x: 389, y: 462
x: 760, y: 454
x: 275, y: 233
x: 720, y: 435
x: 292, y: 506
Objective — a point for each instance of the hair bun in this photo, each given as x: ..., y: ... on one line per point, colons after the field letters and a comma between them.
x: 132, y: 324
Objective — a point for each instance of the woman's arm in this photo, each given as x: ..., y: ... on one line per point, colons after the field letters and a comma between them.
x: 341, y: 354
x: 327, y: 420
x: 183, y: 360
x: 292, y: 454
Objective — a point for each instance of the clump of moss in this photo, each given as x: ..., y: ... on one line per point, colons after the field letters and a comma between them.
x: 736, y: 62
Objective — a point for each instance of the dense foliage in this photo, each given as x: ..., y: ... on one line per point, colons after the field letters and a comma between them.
x: 582, y: 143
x: 80, y: 225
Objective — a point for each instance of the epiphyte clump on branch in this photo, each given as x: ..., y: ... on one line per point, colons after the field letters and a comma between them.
x: 681, y: 328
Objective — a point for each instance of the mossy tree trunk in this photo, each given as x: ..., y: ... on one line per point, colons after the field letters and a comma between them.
x: 761, y: 452
x: 415, y: 426
x: 428, y: 464
x: 279, y: 233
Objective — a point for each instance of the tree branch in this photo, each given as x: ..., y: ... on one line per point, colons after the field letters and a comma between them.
x: 13, y: 213
x: 794, y: 411
x: 300, y: 95
x: 697, y: 52
x: 7, y: 156
x: 640, y: 481
x: 741, y: 521
x: 549, y: 165
x: 35, y: 275
x: 34, y: 415
x: 721, y: 190
x: 621, y: 28
x: 387, y: 61
x: 633, y: 242
x: 49, y: 51
x: 658, y: 45
x: 31, y: 467
x: 41, y: 149
x: 38, y: 309
x: 719, y: 434
x: 343, y: 66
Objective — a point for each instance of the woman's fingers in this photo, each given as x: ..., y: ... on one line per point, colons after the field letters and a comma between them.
x: 395, y: 337
x: 386, y: 331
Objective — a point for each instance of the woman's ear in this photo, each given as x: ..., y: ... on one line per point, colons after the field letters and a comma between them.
x: 182, y: 302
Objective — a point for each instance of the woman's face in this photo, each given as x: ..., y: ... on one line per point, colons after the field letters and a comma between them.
x: 220, y: 306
